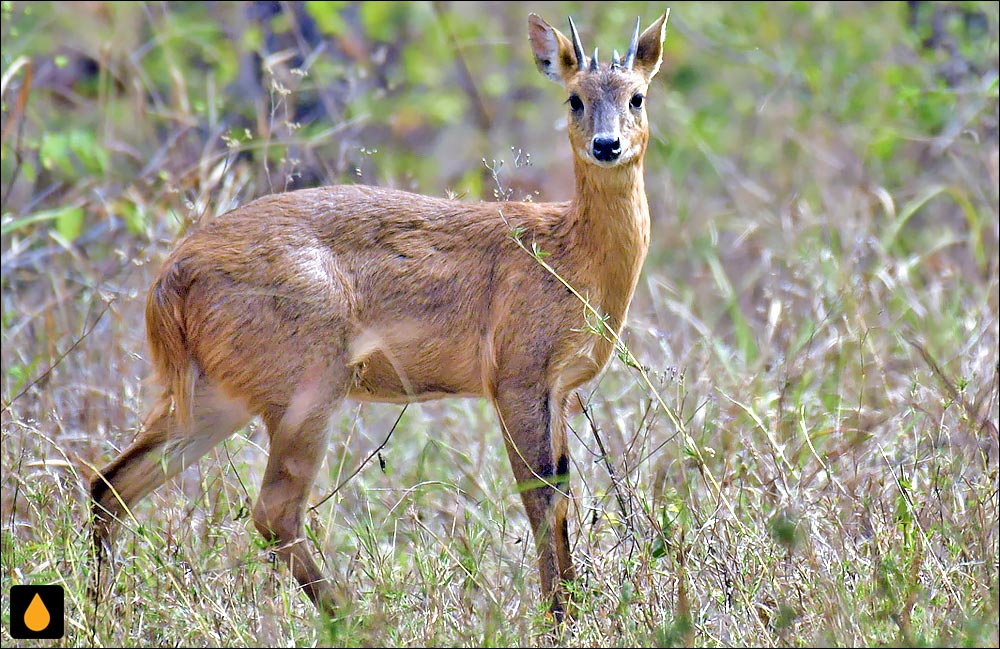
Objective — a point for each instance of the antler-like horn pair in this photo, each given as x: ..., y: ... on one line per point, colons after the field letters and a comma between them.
x: 616, y: 62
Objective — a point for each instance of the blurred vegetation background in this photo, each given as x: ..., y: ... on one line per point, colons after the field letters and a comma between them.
x: 823, y: 182
x: 120, y: 118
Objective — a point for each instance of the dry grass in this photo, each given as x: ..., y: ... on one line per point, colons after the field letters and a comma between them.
x: 823, y: 335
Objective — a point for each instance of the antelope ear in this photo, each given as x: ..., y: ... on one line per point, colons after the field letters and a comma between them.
x: 649, y: 53
x: 553, y: 52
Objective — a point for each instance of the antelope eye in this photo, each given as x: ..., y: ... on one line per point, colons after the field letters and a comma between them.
x: 636, y: 101
x: 575, y: 103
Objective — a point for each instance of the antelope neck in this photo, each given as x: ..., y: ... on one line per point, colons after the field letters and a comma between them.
x: 609, y: 205
x: 610, y: 219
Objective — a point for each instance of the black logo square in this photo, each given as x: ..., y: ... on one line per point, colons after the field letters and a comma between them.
x: 36, y: 612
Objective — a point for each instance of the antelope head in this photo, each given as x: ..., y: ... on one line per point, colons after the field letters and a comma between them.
x: 607, y: 112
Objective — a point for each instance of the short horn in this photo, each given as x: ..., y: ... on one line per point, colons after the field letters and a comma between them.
x: 632, y: 47
x: 593, y: 62
x: 577, y: 45
x: 616, y: 60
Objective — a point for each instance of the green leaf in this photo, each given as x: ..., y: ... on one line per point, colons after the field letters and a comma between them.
x: 889, y: 239
x: 327, y: 16
x: 69, y: 222
x: 54, y: 153
x: 13, y: 225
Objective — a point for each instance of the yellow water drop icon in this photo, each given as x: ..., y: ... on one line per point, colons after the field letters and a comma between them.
x: 37, y: 616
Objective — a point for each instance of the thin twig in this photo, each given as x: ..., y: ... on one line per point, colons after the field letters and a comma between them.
x: 362, y: 465
x: 626, y: 512
x: 483, y: 118
x: 58, y: 359
x: 15, y: 117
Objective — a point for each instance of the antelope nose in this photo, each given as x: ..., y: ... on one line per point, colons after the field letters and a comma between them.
x: 606, y: 148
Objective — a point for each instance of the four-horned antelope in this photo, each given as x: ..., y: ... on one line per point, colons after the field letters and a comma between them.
x: 284, y: 307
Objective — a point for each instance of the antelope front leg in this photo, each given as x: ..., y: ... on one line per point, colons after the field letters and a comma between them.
x: 533, y: 426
